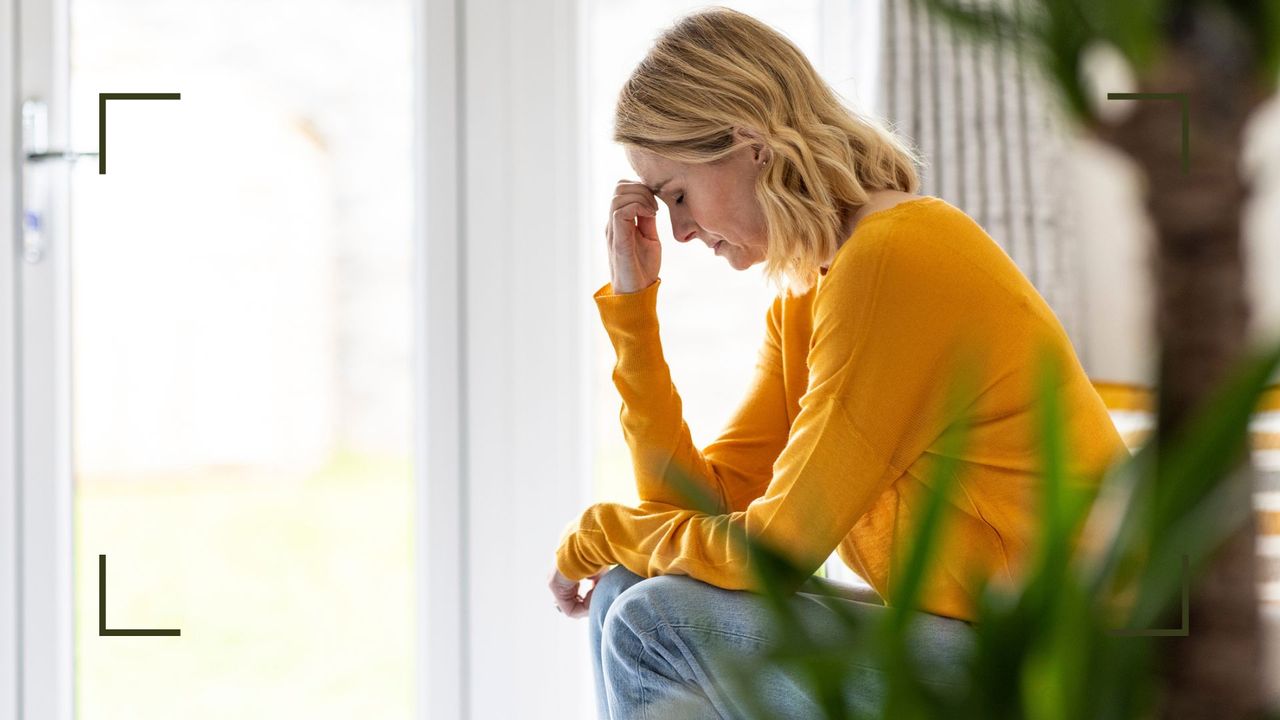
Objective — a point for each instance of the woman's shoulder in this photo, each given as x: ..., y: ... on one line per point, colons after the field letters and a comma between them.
x: 902, y: 213
x: 923, y: 253
x: 888, y: 199
x: 917, y: 235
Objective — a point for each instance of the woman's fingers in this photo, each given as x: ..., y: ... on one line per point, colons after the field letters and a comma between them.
x: 625, y: 186
x: 565, y: 594
x: 580, y: 606
x: 626, y: 222
x: 621, y: 201
x: 595, y: 582
x: 632, y: 235
x: 648, y: 226
x: 632, y: 210
x: 585, y: 604
x: 572, y: 605
x: 633, y: 192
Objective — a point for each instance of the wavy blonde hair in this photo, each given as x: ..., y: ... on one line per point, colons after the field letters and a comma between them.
x: 718, y: 69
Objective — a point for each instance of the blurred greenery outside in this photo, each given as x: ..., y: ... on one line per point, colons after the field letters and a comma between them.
x: 294, y: 596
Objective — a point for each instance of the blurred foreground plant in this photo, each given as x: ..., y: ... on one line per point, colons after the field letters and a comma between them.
x: 1073, y: 637
x: 1202, y: 69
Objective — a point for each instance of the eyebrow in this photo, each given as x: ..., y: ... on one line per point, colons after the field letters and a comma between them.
x: 657, y: 189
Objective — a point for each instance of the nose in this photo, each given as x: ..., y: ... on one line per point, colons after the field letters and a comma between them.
x: 681, y: 230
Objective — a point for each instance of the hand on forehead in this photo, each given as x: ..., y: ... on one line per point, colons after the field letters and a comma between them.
x: 655, y: 172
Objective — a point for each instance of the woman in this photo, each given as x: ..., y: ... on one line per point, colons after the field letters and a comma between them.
x: 883, y: 295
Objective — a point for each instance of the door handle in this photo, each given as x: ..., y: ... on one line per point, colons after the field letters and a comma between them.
x: 58, y: 155
x: 35, y: 135
x: 35, y: 186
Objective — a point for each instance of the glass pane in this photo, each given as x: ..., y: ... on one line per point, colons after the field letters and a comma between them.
x: 241, y: 358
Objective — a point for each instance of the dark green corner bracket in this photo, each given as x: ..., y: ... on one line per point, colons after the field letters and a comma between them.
x: 1183, y: 631
x: 1186, y: 132
x: 102, y: 609
x: 102, y: 118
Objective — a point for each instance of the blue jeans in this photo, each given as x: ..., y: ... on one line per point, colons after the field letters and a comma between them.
x: 655, y: 644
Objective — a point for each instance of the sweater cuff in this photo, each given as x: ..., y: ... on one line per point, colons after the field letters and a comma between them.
x: 573, y: 558
x: 637, y: 309
x: 630, y: 319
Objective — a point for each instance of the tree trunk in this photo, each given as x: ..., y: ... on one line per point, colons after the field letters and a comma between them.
x: 1201, y: 319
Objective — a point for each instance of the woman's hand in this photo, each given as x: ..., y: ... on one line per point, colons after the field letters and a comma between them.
x: 634, y: 251
x: 566, y: 593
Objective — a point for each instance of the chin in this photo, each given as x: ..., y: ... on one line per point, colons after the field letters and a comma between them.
x: 737, y: 262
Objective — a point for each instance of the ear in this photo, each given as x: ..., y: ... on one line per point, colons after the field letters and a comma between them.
x: 762, y: 154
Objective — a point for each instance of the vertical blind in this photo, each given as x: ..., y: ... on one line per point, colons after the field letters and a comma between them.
x: 985, y: 119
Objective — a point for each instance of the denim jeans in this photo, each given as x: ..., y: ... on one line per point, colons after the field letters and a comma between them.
x: 656, y: 644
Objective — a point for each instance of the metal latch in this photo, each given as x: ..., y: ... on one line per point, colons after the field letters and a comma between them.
x: 35, y: 149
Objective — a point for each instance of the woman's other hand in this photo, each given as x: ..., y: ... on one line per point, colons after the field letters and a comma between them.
x: 565, y: 592
x: 635, y: 255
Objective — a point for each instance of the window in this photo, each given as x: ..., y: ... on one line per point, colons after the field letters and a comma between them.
x: 241, y: 359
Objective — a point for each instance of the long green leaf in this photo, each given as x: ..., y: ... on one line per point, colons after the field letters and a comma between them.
x: 907, y: 694
x: 1186, y: 469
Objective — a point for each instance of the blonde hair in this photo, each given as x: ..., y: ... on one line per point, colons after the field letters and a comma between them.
x: 718, y: 69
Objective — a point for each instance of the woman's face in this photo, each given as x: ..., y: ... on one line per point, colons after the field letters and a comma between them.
x: 712, y: 202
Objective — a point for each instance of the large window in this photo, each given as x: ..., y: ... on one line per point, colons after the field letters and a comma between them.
x: 241, y: 359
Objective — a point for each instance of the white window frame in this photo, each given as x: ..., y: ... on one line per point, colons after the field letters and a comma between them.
x: 503, y: 354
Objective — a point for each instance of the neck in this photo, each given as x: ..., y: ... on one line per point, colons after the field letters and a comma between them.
x: 849, y: 218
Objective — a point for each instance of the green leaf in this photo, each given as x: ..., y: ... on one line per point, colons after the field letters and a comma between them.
x: 1262, y: 19
x: 979, y: 24
x: 1133, y: 26
x: 1177, y: 491
x: 908, y: 580
x: 691, y: 492
x: 908, y: 695
x: 1195, y: 458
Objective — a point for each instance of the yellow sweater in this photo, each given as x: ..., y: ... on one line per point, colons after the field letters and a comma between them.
x: 839, y: 432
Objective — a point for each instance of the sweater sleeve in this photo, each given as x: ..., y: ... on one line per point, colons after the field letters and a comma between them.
x: 885, y: 324
x: 737, y: 466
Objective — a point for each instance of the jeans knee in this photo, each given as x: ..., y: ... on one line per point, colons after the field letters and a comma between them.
x: 632, y: 619
x: 612, y: 584
x: 663, y: 598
